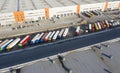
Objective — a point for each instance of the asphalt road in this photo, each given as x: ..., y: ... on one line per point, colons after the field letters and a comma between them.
x: 49, y: 49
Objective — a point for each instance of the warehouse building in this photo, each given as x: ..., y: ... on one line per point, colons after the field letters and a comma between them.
x: 87, y: 60
x: 19, y: 11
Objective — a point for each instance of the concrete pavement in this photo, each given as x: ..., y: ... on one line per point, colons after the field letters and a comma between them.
x: 43, y: 26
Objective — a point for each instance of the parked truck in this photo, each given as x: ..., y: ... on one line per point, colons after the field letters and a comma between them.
x: 99, y: 26
x: 106, y: 22
x: 40, y: 38
x: 77, y: 31
x: 65, y: 32
x: 33, y: 41
x: 12, y: 44
x: 90, y: 27
x: 3, y: 47
x: 24, y: 41
x: 55, y: 36
x: 0, y: 41
x: 102, y: 25
x: 93, y: 28
x: 51, y: 36
x: 43, y: 38
x: 60, y: 34
x: 5, y: 41
x: 96, y: 26
x: 47, y: 37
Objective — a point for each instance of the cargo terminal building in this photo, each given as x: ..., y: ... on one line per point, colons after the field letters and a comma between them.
x: 20, y: 11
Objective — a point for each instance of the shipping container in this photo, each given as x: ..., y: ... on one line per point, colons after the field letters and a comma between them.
x: 77, y: 31
x: 13, y: 43
x: 3, y: 47
x: 40, y: 38
x: 60, y: 34
x: 55, y: 35
x: 33, y: 41
x: 65, y: 32
x: 47, y: 37
x: 24, y: 41
x: 51, y: 36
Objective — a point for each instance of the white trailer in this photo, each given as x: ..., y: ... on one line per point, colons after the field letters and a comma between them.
x: 55, y: 36
x: 77, y: 31
x: 0, y: 41
x: 33, y: 41
x: 40, y: 36
x: 5, y: 41
x: 65, y: 32
x: 60, y: 34
x: 107, y: 23
x: 99, y: 25
x: 50, y: 37
x: 90, y: 27
x: 12, y: 44
x: 3, y: 47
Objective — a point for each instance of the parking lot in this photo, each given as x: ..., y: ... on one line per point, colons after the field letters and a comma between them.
x: 87, y: 25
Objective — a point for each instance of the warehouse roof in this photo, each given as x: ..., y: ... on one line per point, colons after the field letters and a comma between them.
x: 114, y: 51
x: 86, y: 61
x: 23, y: 5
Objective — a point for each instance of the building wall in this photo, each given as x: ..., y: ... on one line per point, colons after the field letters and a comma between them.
x: 113, y: 5
x: 62, y: 11
x: 34, y: 15
x: 7, y: 18
x: 89, y: 7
